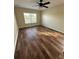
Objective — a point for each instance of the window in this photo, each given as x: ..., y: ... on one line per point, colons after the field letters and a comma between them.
x: 30, y: 18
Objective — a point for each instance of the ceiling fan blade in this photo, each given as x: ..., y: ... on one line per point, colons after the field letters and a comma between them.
x: 46, y: 3
x: 41, y: 0
x: 45, y: 6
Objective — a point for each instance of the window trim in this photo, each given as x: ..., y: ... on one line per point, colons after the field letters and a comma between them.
x: 30, y: 20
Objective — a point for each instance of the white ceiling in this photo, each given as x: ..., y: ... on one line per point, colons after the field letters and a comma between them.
x: 32, y: 3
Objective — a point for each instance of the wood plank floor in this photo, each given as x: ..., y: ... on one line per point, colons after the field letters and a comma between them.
x: 39, y: 43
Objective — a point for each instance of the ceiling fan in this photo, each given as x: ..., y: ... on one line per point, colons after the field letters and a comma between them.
x: 42, y: 4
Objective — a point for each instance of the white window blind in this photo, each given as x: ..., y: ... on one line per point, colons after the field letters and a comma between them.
x: 30, y: 18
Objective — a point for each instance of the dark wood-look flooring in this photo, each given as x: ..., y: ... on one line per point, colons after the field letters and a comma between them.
x: 39, y: 43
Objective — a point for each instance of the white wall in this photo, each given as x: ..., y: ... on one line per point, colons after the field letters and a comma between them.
x: 15, y: 31
x: 54, y: 18
x: 20, y: 16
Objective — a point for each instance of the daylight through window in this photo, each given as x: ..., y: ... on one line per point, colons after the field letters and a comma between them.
x: 30, y: 18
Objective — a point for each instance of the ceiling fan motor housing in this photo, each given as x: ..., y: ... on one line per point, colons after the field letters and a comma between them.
x: 40, y: 4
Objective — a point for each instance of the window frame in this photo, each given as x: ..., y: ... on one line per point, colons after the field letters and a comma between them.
x: 30, y: 19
